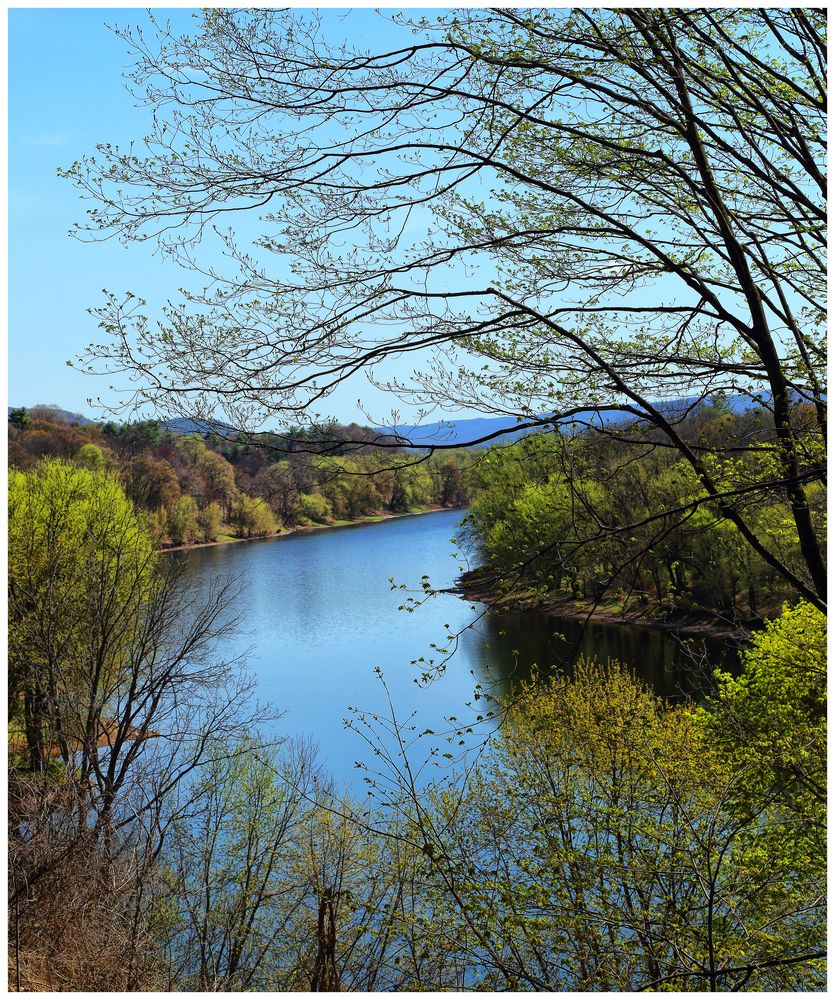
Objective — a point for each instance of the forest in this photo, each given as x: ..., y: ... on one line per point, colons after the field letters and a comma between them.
x: 201, y: 487
x: 587, y: 516
x: 600, y: 226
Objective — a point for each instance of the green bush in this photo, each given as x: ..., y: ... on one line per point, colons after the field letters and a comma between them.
x: 253, y: 518
x: 315, y: 507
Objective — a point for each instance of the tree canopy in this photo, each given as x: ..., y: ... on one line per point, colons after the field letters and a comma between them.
x: 561, y: 209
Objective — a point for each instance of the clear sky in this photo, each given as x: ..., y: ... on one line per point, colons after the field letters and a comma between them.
x: 65, y: 95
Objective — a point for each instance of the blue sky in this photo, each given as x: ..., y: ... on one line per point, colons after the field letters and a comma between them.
x: 65, y: 95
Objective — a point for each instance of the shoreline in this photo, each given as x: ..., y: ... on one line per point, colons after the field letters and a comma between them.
x: 691, y: 623
x: 304, y: 529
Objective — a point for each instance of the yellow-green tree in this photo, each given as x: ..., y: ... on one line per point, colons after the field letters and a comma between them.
x: 770, y: 720
x: 254, y: 518
x: 608, y: 841
x: 120, y: 696
x: 110, y: 656
x: 183, y: 527
x: 210, y: 521
x: 71, y: 529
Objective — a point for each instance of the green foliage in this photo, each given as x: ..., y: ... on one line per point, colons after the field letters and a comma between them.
x: 210, y: 522
x: 408, y: 487
x: 349, y: 490
x: 226, y: 934
x: 156, y: 522
x: 279, y: 485
x: 192, y: 446
x: 72, y: 534
x: 605, y: 840
x: 268, y: 855
x: 600, y: 846
x: 120, y: 696
x: 136, y: 437
x: 580, y: 513
x: 770, y: 721
x: 315, y: 507
x: 219, y: 477
x: 253, y: 518
x: 241, y: 480
x: 19, y: 416
x: 783, y: 681
x: 182, y: 521
x: 91, y: 457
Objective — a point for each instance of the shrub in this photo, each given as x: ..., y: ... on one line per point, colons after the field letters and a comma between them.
x: 315, y: 507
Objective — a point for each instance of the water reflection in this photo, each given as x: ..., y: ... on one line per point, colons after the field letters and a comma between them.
x: 319, y: 615
x: 507, y: 645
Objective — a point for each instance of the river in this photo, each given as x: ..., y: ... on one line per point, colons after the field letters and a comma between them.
x: 320, y: 622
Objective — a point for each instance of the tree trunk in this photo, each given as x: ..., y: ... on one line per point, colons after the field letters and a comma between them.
x: 325, y: 977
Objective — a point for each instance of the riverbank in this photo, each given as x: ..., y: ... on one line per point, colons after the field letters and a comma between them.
x: 303, y: 529
x: 693, y: 622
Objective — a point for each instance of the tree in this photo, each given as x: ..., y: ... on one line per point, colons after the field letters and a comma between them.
x: 231, y: 889
x: 105, y: 648
x: 19, y: 416
x: 533, y: 521
x: 771, y: 721
x: 407, y: 487
x: 220, y: 479
x: 151, y: 482
x: 134, y: 438
x: 183, y: 527
x: 450, y: 489
x: 252, y: 518
x: 91, y: 457
x: 278, y: 882
x: 67, y: 526
x: 210, y: 522
x: 603, y: 842
x: 618, y: 207
x: 543, y: 508
x: 117, y: 697
x: 349, y: 486
x: 315, y: 507
x: 277, y: 485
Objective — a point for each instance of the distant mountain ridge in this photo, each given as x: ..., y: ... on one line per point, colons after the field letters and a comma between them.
x: 179, y: 425
x: 462, y: 432
x: 484, y: 430
x: 184, y: 425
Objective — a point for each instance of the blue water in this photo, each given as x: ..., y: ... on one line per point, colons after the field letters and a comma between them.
x: 321, y: 622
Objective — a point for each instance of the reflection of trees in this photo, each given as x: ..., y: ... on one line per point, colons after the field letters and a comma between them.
x: 504, y: 647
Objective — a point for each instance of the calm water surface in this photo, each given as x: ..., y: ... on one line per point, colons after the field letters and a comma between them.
x: 319, y: 616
